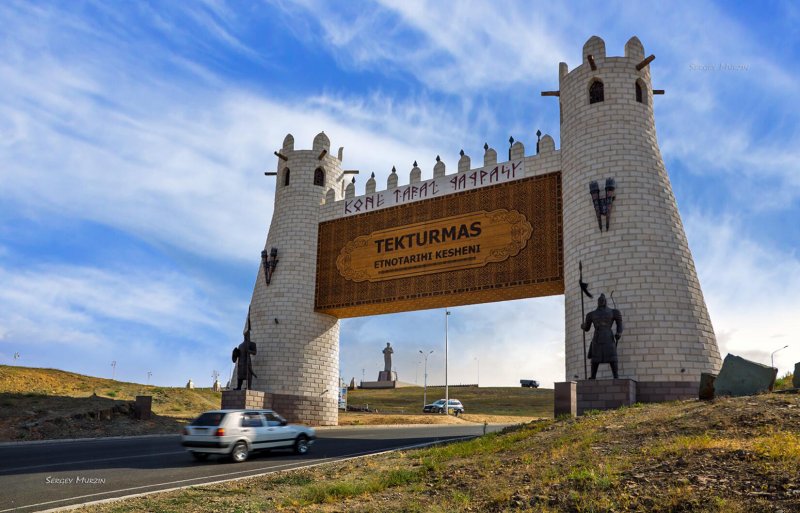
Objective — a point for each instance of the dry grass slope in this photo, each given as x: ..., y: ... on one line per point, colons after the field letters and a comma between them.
x: 47, y: 403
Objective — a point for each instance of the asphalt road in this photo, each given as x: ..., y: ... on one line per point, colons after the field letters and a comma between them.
x: 42, y: 476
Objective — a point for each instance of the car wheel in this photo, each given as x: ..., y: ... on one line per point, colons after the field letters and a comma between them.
x: 200, y: 456
x: 301, y: 445
x: 239, y: 452
x: 457, y: 413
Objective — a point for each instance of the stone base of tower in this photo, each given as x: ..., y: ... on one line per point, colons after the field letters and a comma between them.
x: 303, y: 409
x: 577, y: 397
x: 662, y: 391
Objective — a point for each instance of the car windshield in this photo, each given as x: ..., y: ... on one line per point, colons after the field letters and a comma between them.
x: 209, y: 419
x: 439, y: 402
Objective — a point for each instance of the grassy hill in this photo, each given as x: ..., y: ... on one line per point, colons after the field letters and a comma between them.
x: 48, y: 403
x: 726, y: 456
x: 522, y: 402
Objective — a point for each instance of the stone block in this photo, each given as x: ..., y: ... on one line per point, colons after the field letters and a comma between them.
x: 739, y: 377
x: 796, y: 378
x: 566, y: 399
x: 604, y: 394
x: 245, y: 399
x: 143, y: 407
x: 707, y: 386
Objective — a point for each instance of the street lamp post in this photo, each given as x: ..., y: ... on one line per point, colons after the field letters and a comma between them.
x: 425, y: 377
x: 446, y: 384
x: 772, y: 356
x: 113, y: 369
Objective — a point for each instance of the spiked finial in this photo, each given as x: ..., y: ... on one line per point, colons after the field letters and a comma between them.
x: 438, y: 159
x: 461, y: 153
x: 394, y: 171
x: 373, y: 175
x: 354, y: 180
x: 485, y: 146
x: 511, y: 141
x: 415, y: 163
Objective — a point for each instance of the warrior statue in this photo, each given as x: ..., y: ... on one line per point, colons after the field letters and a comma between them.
x: 242, y: 354
x: 387, y: 357
x: 603, y: 348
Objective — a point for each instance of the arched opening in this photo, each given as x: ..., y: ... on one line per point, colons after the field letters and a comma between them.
x: 319, y: 177
x: 596, y: 92
x: 286, y: 177
x: 641, y: 97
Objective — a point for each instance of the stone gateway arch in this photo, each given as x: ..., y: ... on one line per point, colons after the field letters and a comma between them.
x: 504, y: 230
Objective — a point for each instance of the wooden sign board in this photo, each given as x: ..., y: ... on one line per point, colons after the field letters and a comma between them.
x: 491, y: 244
x: 459, y: 242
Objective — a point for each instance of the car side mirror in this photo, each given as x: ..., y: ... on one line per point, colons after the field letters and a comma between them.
x: 283, y: 422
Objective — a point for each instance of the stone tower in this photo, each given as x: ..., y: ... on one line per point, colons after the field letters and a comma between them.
x: 644, y: 256
x: 297, y: 363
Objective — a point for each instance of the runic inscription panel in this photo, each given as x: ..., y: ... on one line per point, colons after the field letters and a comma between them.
x: 496, y: 243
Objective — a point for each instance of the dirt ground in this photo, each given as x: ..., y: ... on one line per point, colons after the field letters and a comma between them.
x: 375, y: 419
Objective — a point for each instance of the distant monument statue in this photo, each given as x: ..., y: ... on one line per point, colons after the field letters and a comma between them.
x: 387, y: 374
x: 603, y: 348
x: 242, y: 356
x: 190, y: 385
x: 387, y: 357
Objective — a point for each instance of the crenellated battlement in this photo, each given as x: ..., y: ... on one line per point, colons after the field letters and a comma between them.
x: 518, y: 166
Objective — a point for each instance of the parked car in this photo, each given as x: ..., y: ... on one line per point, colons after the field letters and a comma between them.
x: 454, y: 405
x: 237, y: 433
x: 531, y: 383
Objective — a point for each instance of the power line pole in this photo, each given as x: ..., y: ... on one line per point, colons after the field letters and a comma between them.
x: 113, y: 369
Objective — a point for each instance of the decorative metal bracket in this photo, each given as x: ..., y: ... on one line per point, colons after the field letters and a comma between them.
x: 269, y: 262
x: 602, y: 206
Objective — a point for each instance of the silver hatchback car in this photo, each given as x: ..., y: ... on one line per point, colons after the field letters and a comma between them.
x: 237, y: 433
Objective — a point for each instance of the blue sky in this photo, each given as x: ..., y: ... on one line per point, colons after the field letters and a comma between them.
x: 134, y: 136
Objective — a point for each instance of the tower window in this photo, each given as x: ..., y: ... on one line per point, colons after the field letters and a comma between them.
x: 640, y: 97
x: 286, y: 177
x: 319, y: 177
x: 596, y: 92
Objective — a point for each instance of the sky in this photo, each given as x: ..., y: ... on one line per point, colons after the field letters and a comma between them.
x: 134, y: 137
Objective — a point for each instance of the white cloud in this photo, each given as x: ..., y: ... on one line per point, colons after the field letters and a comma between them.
x: 750, y: 290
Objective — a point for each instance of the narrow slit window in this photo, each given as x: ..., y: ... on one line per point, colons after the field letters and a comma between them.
x: 319, y: 177
x: 638, y: 92
x: 596, y: 93
x: 286, y: 177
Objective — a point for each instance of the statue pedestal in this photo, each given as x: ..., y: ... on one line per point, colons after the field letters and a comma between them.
x: 387, y: 376
x: 604, y: 394
x: 245, y: 399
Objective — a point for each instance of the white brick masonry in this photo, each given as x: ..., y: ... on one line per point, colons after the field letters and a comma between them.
x: 298, y: 357
x: 645, y: 257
